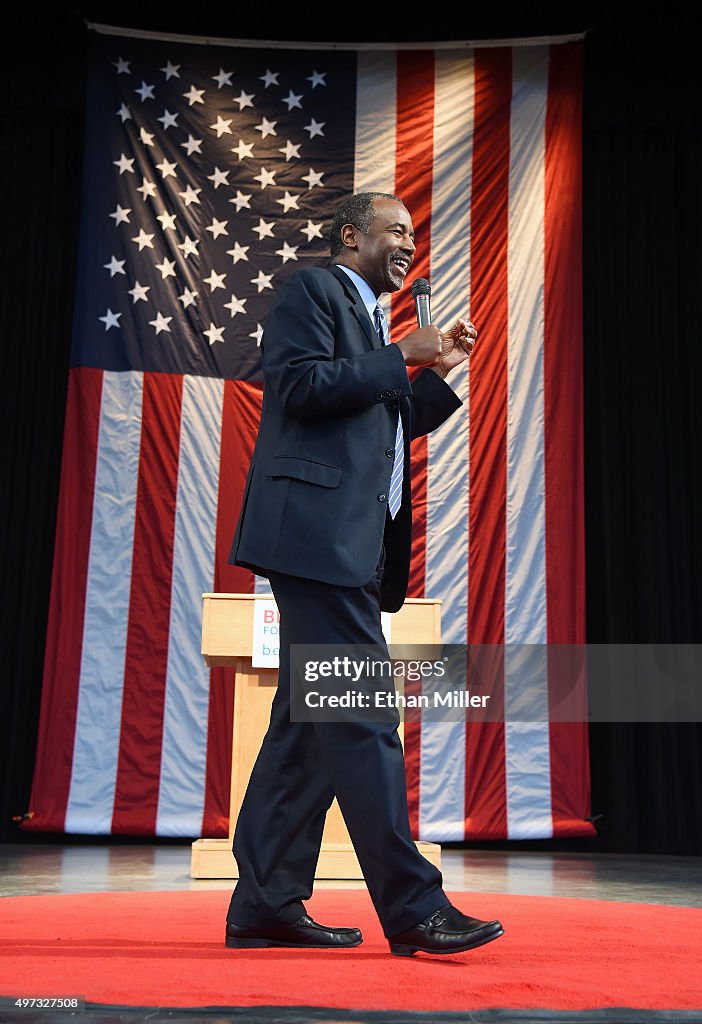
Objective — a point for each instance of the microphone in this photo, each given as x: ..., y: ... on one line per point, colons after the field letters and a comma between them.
x: 421, y: 290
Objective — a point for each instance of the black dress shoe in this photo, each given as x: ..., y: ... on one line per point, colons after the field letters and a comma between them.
x: 447, y: 930
x: 304, y: 933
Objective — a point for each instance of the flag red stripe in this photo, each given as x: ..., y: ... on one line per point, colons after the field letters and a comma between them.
x: 563, y: 344
x: 563, y: 405
x: 241, y: 412
x: 139, y: 764
x: 64, y: 639
x: 486, y: 813
x: 414, y: 163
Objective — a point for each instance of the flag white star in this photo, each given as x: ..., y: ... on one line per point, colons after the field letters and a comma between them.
x: 167, y: 220
x: 124, y: 164
x: 266, y: 127
x: 110, y: 319
x: 257, y: 334
x: 214, y: 334
x: 270, y: 77
x: 168, y: 120
x: 243, y: 149
x: 223, y: 78
x: 125, y: 113
x: 312, y: 231
x: 238, y: 252
x: 147, y: 188
x: 187, y: 298
x: 214, y: 280
x: 244, y: 99
x: 241, y: 200
x: 121, y: 215
x: 167, y: 268
x: 138, y: 292
x: 293, y: 100
x: 314, y: 178
x: 194, y: 95
x: 235, y: 306
x: 143, y: 240
x: 161, y: 323
x: 221, y: 126
x: 262, y: 281
x: 191, y: 195
x: 315, y: 128
x: 317, y: 78
x: 265, y: 177
x: 264, y: 229
x: 188, y: 246
x: 171, y: 70
x: 192, y: 145
x: 290, y: 150
x: 288, y: 202
x: 288, y: 252
x: 122, y: 66
x: 217, y: 227
x: 219, y: 177
x: 146, y: 137
x: 167, y: 168
x: 115, y: 266
x: 145, y: 91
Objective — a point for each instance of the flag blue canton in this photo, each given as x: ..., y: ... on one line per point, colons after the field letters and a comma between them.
x: 210, y: 175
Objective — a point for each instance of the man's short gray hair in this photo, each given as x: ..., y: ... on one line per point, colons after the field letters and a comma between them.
x: 358, y: 210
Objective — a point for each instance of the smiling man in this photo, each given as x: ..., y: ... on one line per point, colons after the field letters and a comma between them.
x: 327, y: 517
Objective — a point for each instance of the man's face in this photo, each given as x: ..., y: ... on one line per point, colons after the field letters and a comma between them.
x: 384, y: 255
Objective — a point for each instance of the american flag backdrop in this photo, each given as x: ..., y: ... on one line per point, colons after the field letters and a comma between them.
x: 210, y: 174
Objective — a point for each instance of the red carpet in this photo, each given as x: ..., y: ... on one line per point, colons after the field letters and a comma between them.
x: 166, y: 949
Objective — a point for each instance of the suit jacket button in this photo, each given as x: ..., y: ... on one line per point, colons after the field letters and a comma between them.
x: 379, y: 396
x: 390, y: 452
x: 382, y: 497
x: 397, y: 391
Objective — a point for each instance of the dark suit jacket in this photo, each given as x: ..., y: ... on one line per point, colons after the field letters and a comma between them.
x: 315, y: 501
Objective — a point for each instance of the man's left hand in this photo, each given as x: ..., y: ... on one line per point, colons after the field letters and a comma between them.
x: 457, y: 345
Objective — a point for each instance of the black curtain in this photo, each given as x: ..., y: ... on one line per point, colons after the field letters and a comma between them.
x: 643, y: 413
x: 643, y: 426
x: 40, y: 180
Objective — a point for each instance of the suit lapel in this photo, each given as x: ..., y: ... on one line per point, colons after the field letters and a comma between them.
x: 357, y: 307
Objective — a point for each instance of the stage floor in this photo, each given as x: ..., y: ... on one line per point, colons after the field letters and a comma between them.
x: 40, y: 869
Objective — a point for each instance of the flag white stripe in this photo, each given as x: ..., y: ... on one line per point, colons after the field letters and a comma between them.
x: 376, y: 129
x: 527, y: 748
x: 99, y: 714
x: 376, y: 113
x: 443, y: 754
x: 527, y: 755
x: 181, y: 798
x: 262, y: 586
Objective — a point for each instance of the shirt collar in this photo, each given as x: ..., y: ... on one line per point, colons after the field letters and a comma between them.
x: 364, y: 289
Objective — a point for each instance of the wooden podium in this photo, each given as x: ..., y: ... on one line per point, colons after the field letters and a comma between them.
x: 227, y: 635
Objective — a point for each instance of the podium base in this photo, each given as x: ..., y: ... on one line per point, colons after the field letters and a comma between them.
x: 212, y: 858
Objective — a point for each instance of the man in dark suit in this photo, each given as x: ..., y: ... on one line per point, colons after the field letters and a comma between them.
x: 326, y: 516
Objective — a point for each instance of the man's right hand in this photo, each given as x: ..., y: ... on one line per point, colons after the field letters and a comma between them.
x: 422, y: 347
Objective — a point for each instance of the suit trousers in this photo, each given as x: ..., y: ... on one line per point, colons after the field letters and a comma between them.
x: 301, y: 767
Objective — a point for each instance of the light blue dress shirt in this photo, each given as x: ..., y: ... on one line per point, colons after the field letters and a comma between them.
x: 370, y: 302
x: 364, y: 289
